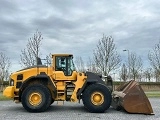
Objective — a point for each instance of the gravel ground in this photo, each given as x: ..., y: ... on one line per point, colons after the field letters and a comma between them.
x: 72, y: 111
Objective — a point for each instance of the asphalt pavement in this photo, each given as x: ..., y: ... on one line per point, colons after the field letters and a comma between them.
x: 72, y: 111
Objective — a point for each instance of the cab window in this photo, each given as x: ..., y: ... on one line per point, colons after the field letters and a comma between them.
x: 61, y: 64
x: 65, y: 64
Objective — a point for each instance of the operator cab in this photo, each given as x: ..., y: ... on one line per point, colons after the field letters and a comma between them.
x: 64, y: 63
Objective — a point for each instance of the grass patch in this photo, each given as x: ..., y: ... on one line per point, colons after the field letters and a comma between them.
x: 2, y: 98
x: 153, y: 94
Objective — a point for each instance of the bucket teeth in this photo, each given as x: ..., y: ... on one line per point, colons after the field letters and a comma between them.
x: 131, y: 98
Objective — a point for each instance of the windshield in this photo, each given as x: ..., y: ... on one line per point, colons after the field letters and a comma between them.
x: 71, y: 64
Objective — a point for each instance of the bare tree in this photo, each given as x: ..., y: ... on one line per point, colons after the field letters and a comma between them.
x: 105, y: 55
x: 4, y: 68
x: 91, y: 66
x: 48, y: 59
x: 124, y: 72
x: 135, y: 65
x: 148, y: 74
x: 154, y: 58
x: 141, y: 75
x: 29, y: 55
x: 156, y: 75
x: 79, y: 64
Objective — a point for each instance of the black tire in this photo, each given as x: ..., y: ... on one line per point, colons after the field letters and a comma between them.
x: 101, y: 104
x: 29, y: 98
x: 52, y: 101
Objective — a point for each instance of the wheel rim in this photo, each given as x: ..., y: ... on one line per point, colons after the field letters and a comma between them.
x: 35, y: 99
x: 97, y: 98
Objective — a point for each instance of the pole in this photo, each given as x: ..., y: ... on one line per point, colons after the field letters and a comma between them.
x: 128, y: 64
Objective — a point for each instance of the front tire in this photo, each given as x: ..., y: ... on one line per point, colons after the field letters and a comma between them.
x: 52, y: 101
x: 97, y: 98
x: 36, y: 98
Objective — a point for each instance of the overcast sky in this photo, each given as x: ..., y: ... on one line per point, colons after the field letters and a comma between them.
x: 75, y: 26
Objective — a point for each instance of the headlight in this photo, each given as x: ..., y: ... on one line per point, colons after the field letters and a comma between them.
x: 11, y: 83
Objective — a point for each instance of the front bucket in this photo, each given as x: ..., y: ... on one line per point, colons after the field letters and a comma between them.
x: 132, y: 98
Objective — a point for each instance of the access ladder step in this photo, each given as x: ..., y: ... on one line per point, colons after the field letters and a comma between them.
x: 60, y: 102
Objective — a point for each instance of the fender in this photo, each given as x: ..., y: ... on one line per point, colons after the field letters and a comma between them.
x: 91, y: 79
x: 39, y: 77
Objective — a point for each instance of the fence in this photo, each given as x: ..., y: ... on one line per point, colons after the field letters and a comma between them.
x: 146, y: 86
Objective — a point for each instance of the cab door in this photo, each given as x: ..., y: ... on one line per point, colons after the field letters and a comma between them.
x: 63, y: 68
x: 60, y: 68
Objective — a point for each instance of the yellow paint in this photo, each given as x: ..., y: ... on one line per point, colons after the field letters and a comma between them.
x: 9, y: 92
x: 78, y: 84
x: 35, y: 98
x: 97, y: 98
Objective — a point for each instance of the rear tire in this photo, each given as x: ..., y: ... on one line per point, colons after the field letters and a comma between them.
x: 36, y: 98
x: 97, y: 98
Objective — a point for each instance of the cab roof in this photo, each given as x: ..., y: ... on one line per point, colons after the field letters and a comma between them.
x: 62, y: 55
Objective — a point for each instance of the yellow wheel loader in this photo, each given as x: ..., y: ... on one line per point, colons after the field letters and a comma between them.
x: 37, y: 87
